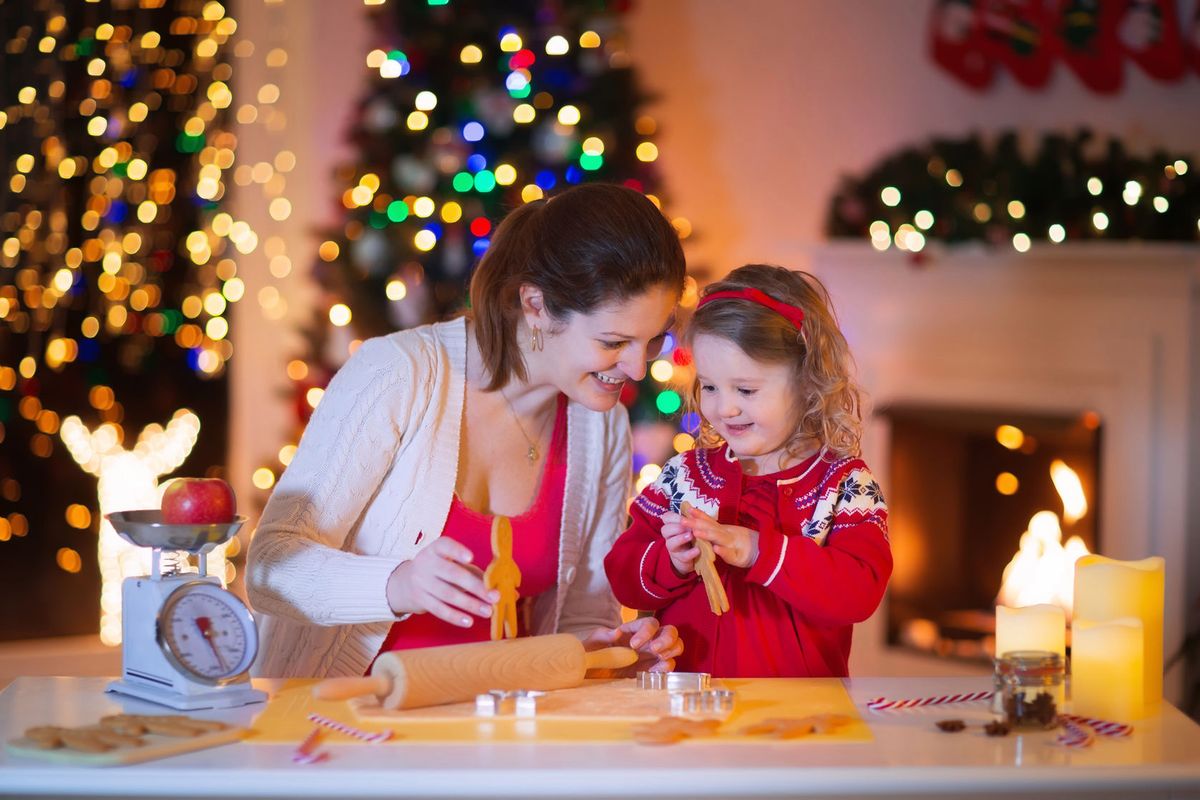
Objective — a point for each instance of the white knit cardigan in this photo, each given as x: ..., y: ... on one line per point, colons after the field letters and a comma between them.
x: 371, y: 485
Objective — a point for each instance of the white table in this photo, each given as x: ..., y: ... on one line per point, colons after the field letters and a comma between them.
x: 908, y: 758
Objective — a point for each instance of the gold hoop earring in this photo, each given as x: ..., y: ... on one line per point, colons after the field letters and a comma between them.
x: 536, y: 342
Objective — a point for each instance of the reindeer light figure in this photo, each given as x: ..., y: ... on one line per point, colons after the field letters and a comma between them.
x: 127, y: 481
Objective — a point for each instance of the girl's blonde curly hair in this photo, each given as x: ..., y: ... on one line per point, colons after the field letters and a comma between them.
x: 828, y: 400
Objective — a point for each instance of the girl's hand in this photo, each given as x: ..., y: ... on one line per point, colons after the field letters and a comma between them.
x: 441, y: 580
x: 733, y: 544
x: 657, y: 645
x: 681, y: 545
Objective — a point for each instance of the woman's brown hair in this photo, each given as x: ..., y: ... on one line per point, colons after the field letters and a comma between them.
x: 827, y: 397
x: 589, y: 246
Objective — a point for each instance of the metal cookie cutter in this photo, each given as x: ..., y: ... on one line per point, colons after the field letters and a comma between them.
x: 496, y: 702
x: 707, y: 703
x: 675, y: 681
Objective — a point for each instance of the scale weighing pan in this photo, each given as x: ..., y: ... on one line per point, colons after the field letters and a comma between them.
x: 147, y: 529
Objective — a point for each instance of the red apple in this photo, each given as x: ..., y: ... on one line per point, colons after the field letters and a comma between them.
x: 198, y: 501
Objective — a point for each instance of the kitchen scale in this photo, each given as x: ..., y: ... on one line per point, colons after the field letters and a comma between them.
x: 187, y: 643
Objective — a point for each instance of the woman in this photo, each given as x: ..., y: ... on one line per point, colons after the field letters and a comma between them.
x: 377, y: 533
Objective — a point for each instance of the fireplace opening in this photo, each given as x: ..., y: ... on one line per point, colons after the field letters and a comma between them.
x: 984, y: 506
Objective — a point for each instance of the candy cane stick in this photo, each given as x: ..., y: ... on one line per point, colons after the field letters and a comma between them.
x: 352, y: 732
x: 1075, y: 735
x: 884, y: 704
x: 306, y: 751
x: 1101, y: 726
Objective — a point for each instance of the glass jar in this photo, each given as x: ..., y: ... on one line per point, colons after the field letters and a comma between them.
x: 1029, y: 688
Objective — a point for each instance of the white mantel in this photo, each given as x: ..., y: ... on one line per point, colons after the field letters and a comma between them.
x: 1113, y: 328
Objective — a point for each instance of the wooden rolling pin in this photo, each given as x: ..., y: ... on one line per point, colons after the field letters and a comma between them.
x: 431, y: 676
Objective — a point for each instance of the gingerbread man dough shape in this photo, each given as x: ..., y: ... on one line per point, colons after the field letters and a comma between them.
x: 706, y: 566
x: 504, y: 575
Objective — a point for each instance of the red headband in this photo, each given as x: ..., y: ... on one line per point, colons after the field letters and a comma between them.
x: 789, y: 312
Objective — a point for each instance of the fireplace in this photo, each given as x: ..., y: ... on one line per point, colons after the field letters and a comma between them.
x: 965, y: 486
x: 1042, y: 337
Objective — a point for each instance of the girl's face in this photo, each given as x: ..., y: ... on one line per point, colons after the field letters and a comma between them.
x: 589, y: 357
x: 751, y: 404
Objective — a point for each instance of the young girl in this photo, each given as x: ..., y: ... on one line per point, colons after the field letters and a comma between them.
x: 796, y: 520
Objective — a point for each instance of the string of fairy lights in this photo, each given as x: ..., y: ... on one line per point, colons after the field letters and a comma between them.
x: 132, y: 76
x: 910, y: 236
x: 118, y: 150
x: 458, y: 158
x: 80, y: 274
x: 1069, y: 189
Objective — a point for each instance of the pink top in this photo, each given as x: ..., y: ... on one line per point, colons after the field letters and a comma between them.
x: 535, y: 549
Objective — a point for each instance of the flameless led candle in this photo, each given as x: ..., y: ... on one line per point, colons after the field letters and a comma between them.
x: 1040, y: 627
x: 1107, y: 669
x: 1107, y: 590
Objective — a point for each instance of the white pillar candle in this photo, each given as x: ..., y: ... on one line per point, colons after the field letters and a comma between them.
x: 1040, y: 627
x: 1106, y: 590
x: 1107, y: 669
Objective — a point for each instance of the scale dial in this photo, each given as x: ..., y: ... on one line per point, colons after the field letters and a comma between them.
x: 207, y: 633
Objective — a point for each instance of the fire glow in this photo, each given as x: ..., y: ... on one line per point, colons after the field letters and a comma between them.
x: 1043, y: 569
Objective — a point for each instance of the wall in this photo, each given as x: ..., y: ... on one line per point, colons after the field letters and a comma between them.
x: 765, y: 103
x: 327, y: 44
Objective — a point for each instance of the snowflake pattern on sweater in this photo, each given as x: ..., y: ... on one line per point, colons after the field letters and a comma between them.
x: 679, y: 483
x: 856, y: 498
x: 689, y: 477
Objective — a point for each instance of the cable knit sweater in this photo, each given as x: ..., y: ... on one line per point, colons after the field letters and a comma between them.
x: 371, y: 485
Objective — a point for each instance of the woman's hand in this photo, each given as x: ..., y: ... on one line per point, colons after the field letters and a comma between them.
x: 733, y: 544
x: 657, y: 646
x: 442, y: 581
x: 681, y: 544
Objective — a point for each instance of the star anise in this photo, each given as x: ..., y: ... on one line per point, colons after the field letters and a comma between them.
x: 1044, y: 710
x: 996, y: 728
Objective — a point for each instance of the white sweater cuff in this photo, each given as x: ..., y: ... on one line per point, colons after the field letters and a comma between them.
x: 361, y: 596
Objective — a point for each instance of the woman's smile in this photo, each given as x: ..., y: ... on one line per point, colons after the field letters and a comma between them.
x: 608, y: 383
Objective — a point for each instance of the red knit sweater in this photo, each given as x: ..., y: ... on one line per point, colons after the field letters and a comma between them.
x: 823, y: 564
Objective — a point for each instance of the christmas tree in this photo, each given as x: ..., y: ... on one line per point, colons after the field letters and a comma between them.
x: 114, y: 282
x: 471, y: 109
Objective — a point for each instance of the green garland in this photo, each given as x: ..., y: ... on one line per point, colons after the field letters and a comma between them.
x: 971, y: 189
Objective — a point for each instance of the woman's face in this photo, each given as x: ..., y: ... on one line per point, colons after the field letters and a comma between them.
x: 589, y: 357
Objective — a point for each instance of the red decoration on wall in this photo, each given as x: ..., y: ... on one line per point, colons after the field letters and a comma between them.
x: 1150, y: 34
x: 971, y: 39
x: 1019, y: 34
x: 1087, y: 31
x: 956, y: 42
x: 1191, y: 43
